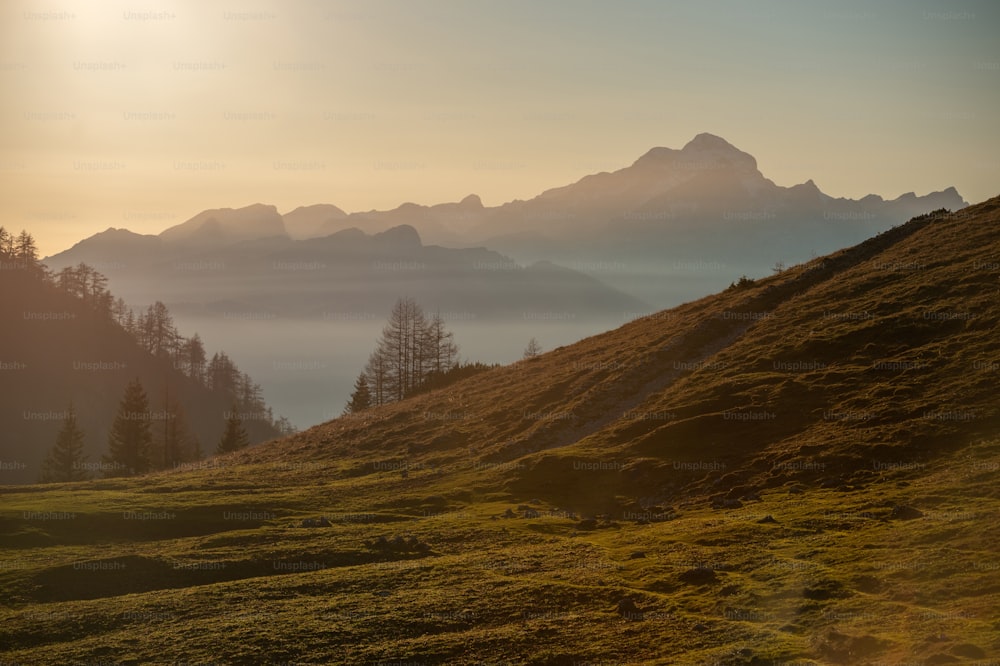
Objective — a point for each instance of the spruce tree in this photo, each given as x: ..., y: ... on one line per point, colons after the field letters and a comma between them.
x: 131, y: 436
x: 361, y: 398
x: 65, y: 460
x: 235, y: 437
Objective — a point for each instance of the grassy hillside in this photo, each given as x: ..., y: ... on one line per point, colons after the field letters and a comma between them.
x: 800, y: 470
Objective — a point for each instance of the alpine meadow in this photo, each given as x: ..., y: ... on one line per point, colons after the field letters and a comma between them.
x: 366, y: 332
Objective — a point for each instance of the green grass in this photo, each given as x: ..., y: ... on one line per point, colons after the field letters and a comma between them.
x: 834, y: 580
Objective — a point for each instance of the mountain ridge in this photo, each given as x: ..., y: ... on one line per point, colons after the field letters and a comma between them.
x: 672, y: 225
x: 279, y: 276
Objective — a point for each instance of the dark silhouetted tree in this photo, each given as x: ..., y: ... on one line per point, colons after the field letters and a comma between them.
x: 6, y: 244
x: 191, y: 358
x: 441, y: 347
x: 361, y: 397
x: 65, y: 460
x: 131, y: 436
x: 25, y: 249
x: 410, y: 350
x: 235, y: 437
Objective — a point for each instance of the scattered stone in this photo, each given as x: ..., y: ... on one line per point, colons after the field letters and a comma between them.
x: 587, y: 524
x: 698, y: 576
x: 509, y: 513
x: 531, y: 513
x: 768, y: 519
x: 628, y: 609
x: 700, y: 627
x: 637, y: 555
x: 726, y: 503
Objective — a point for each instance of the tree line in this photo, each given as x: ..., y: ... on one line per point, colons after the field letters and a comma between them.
x: 153, y: 329
x: 133, y: 444
x: 131, y: 448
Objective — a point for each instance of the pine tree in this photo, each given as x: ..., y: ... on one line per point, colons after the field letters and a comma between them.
x: 65, y: 460
x: 6, y: 243
x: 25, y: 249
x: 361, y: 398
x: 131, y: 437
x: 235, y: 437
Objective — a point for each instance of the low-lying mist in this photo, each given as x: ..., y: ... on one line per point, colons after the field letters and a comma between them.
x: 307, y: 367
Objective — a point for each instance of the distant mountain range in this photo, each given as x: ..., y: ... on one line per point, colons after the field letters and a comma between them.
x: 672, y: 226
x: 243, y: 264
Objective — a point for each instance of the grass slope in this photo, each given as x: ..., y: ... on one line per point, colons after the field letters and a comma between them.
x: 608, y: 502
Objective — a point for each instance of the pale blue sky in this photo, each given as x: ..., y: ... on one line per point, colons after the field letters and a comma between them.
x: 140, y: 114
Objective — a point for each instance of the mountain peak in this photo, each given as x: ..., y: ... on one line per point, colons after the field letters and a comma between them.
x: 471, y: 201
x: 709, y: 142
x: 228, y: 225
x: 704, y: 151
x: 403, y: 236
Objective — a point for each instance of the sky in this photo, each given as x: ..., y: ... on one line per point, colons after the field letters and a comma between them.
x: 140, y: 114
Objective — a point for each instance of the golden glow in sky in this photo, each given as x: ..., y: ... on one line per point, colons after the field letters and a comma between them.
x: 141, y: 114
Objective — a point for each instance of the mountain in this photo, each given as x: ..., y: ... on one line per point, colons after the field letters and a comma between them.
x: 59, y: 350
x: 347, y: 271
x: 799, y: 469
x: 671, y: 226
x: 311, y: 221
x: 225, y: 226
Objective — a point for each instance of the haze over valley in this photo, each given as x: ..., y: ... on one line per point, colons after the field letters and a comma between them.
x: 558, y: 333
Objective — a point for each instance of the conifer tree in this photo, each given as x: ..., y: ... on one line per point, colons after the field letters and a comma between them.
x: 65, y: 460
x: 235, y: 437
x: 131, y: 436
x: 361, y: 398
